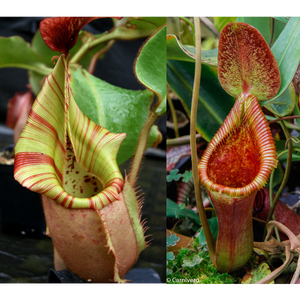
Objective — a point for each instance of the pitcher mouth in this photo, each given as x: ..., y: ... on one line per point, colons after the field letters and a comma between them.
x: 63, y: 154
x: 242, y: 155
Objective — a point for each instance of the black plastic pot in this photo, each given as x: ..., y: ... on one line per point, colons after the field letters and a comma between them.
x: 21, y: 211
x: 136, y: 275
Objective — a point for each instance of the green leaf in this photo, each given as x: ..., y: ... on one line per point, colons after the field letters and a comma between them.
x: 283, y: 105
x: 146, y: 23
x: 280, y: 146
x: 195, y: 260
x: 174, y: 211
x: 170, y: 256
x: 172, y: 240
x: 297, y: 111
x: 214, y: 103
x: 186, y: 224
x: 214, y: 226
x: 177, y: 51
x: 173, y: 175
x: 210, y: 57
x: 220, y: 22
x: 283, y: 20
x: 39, y: 46
x: 286, y: 52
x: 16, y: 53
x: 187, y: 175
x: 116, y: 109
x: 150, y: 67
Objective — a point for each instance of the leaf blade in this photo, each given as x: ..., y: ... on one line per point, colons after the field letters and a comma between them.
x: 16, y: 53
x: 286, y: 53
x: 214, y: 103
x: 150, y: 67
x: 246, y: 63
x: 130, y: 109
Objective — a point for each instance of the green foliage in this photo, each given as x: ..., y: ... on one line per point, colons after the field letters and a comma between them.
x: 213, y: 225
x: 150, y: 67
x: 170, y: 256
x: 16, y: 53
x: 195, y: 267
x: 172, y: 240
x: 187, y: 175
x: 174, y: 175
x: 220, y: 22
x: 285, y: 41
x: 174, y: 211
x: 214, y: 103
x: 130, y: 109
x: 196, y: 260
x: 118, y: 110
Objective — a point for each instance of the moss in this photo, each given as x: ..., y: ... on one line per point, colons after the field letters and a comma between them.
x: 202, y: 273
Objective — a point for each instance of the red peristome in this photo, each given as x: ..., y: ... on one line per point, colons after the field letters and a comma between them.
x: 246, y: 63
x: 24, y: 159
x: 61, y: 31
x: 242, y: 155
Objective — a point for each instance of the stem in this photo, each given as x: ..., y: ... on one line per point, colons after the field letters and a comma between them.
x: 100, y: 52
x: 272, y: 31
x: 297, y: 272
x: 190, y: 23
x: 284, y: 118
x: 271, y: 201
x: 278, y: 271
x: 287, y: 124
x: 286, y: 174
x: 207, y: 232
x: 183, y: 140
x: 173, y: 112
x: 135, y: 166
x: 89, y: 45
x: 122, y: 33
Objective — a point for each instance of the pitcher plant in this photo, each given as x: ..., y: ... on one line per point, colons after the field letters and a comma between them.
x: 241, y: 156
x: 93, y: 214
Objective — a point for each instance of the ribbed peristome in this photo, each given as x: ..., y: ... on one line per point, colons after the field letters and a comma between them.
x: 246, y: 117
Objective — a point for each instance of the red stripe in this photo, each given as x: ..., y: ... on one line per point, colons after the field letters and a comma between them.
x: 63, y: 203
x: 58, y: 87
x: 46, y: 124
x: 24, y: 159
x: 91, y: 203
